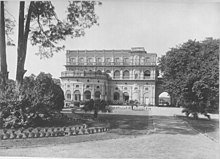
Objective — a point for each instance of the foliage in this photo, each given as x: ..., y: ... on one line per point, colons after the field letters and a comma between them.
x: 39, y: 100
x: 191, y: 74
x: 96, y: 106
x: 76, y: 103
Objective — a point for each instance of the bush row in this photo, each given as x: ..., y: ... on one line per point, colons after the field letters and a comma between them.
x: 55, y: 133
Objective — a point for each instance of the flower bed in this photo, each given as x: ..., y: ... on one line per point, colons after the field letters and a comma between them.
x: 50, y: 132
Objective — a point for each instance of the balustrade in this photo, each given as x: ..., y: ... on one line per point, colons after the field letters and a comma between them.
x: 110, y: 63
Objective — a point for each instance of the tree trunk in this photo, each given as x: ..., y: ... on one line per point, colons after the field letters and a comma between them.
x: 3, y: 62
x: 22, y: 43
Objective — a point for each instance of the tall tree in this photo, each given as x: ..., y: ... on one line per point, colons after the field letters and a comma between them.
x: 44, y: 28
x: 191, y: 73
x: 3, y: 63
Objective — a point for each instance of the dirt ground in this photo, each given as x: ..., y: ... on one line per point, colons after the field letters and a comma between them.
x: 170, y: 137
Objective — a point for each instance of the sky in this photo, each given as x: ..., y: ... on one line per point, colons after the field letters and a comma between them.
x: 156, y: 25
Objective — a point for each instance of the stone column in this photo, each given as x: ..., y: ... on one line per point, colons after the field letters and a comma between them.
x: 121, y: 74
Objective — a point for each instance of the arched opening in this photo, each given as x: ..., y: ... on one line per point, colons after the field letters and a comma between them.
x: 126, y: 96
x: 73, y: 60
x: 164, y: 99
x: 98, y: 60
x: 97, y: 95
x: 117, y: 60
x: 126, y: 61
x: 99, y: 72
x: 68, y: 95
x: 135, y: 96
x: 126, y: 74
x: 146, y: 74
x: 77, y: 95
x: 81, y: 60
x: 117, y: 74
x: 108, y: 72
x: 90, y: 60
x: 116, y: 96
x: 136, y: 76
x: 87, y: 95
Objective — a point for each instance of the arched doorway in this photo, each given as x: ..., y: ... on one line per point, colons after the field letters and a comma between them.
x: 87, y: 95
x: 68, y: 95
x: 97, y: 95
x: 116, y: 96
x: 77, y: 95
x: 135, y: 96
x: 126, y: 96
x: 164, y: 99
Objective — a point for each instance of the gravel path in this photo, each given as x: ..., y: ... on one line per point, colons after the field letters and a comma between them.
x: 172, y: 138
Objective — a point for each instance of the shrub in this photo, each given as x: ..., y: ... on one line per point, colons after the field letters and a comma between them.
x: 37, y: 102
x: 76, y: 103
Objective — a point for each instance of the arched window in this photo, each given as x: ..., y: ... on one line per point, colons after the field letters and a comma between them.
x: 136, y: 76
x: 126, y: 61
x: 147, y: 74
x: 87, y: 95
x: 81, y: 60
x: 126, y: 74
x: 116, y: 96
x: 107, y: 61
x: 73, y: 60
x: 99, y: 72
x: 117, y: 61
x: 108, y: 72
x: 68, y: 95
x: 97, y: 94
x: 117, y: 74
x: 98, y: 60
x: 90, y: 61
x: 77, y: 95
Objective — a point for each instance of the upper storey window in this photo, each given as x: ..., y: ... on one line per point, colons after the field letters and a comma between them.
x: 126, y: 74
x: 107, y: 61
x: 73, y: 60
x: 146, y: 74
x: 126, y: 61
x: 147, y: 59
x: 99, y: 60
x: 117, y: 60
x: 81, y: 60
x: 117, y: 74
x: 90, y: 60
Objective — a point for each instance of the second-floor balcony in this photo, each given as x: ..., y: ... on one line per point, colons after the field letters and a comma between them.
x: 88, y: 74
x: 110, y: 63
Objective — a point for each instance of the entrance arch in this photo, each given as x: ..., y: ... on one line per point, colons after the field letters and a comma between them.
x: 97, y: 95
x: 116, y: 96
x: 126, y: 96
x: 77, y: 95
x: 87, y: 95
x: 164, y: 99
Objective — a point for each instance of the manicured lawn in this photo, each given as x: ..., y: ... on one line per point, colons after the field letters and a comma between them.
x: 123, y: 124
x: 203, y: 125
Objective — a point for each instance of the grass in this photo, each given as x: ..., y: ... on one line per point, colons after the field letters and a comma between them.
x: 203, y: 125
x: 120, y: 126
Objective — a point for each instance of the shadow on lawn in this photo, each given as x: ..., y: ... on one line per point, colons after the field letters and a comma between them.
x: 205, y: 126
x: 183, y: 125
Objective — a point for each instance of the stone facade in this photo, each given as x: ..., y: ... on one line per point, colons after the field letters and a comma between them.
x: 114, y: 75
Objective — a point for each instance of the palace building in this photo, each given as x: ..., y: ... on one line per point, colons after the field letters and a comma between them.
x: 117, y: 76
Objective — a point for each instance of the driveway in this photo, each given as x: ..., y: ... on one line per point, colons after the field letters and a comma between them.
x: 170, y: 138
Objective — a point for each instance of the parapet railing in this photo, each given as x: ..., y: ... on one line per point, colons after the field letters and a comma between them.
x: 110, y: 63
